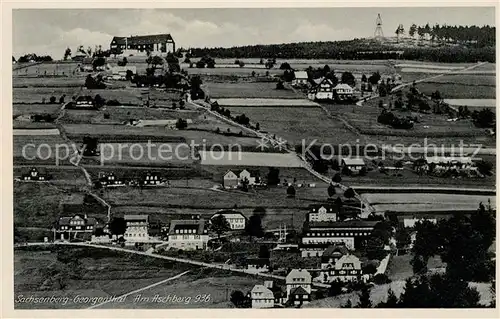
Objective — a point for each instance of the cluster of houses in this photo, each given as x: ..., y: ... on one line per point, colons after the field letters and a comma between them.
x: 323, y: 88
x: 439, y: 165
x: 296, y: 292
x: 184, y: 234
x: 234, y: 178
x: 146, y: 179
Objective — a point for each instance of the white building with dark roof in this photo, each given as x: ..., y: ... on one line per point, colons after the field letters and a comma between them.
x: 137, y: 229
x: 188, y: 234
x: 301, y: 79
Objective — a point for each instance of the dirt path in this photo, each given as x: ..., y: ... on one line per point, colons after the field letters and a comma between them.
x: 141, y: 289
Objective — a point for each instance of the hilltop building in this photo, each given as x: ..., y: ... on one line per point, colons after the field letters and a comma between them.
x: 159, y: 44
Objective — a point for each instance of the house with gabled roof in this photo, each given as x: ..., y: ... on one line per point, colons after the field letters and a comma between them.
x: 262, y: 297
x: 301, y: 79
x: 324, y: 90
x: 67, y: 226
x: 343, y: 91
x: 234, y: 178
x: 188, y: 234
x: 354, y: 164
x: 298, y: 278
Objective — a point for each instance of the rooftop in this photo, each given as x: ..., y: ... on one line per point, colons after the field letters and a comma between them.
x: 353, y: 161
x: 143, y: 39
x: 301, y: 75
x: 187, y: 223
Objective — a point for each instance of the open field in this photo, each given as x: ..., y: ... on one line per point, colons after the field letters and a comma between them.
x: 210, y: 199
x: 261, y: 102
x: 125, y: 133
x: 60, y: 176
x: 458, y: 91
x: 33, y: 150
x: 37, y: 204
x: 248, y: 90
x: 250, y: 159
x: 29, y: 109
x: 36, y: 94
x: 469, y: 80
x: 426, y: 202
x: 297, y: 124
x: 48, y: 82
x: 97, y: 273
x: 54, y: 68
x: 364, y: 118
x: 473, y: 103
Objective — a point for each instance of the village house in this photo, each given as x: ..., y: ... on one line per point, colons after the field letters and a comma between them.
x: 355, y: 165
x: 262, y: 296
x: 159, y: 44
x: 322, y: 91
x: 151, y: 179
x: 110, y: 180
x: 235, y: 178
x: 318, y: 236
x: 301, y: 79
x: 332, y: 254
x: 257, y: 264
x: 322, y: 213
x: 120, y: 72
x: 137, y: 229
x: 298, y: 286
x: 346, y: 268
x: 84, y: 102
x: 74, y: 225
x: 343, y: 91
x: 35, y: 175
x: 236, y: 220
x: 188, y: 234
x: 298, y: 297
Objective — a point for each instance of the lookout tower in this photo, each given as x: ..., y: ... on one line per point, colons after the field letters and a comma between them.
x: 379, y: 34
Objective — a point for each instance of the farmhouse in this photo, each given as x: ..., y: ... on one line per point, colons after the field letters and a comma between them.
x: 299, y: 296
x: 296, y: 281
x: 139, y: 45
x: 137, y: 229
x: 110, y: 180
x: 76, y: 224
x: 84, y: 102
x: 353, y: 164
x: 318, y: 236
x: 151, y: 179
x: 236, y: 220
x: 188, y: 234
x: 234, y: 178
x: 323, y: 91
x: 343, y: 91
x: 262, y: 296
x: 35, y: 175
x: 301, y: 79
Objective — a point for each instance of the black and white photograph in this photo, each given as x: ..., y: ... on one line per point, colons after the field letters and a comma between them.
x: 260, y: 158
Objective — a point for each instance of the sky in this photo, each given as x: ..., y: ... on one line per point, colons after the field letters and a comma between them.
x: 51, y: 31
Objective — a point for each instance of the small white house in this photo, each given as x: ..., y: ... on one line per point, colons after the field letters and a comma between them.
x: 188, y: 235
x: 343, y: 91
x: 298, y: 278
x: 262, y: 297
x: 234, y: 178
x: 137, y: 229
x: 353, y: 164
x: 301, y: 79
x: 236, y: 220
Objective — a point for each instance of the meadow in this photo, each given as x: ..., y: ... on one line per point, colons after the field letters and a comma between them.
x: 248, y: 90
x: 458, y: 91
x: 297, y: 124
x: 100, y: 273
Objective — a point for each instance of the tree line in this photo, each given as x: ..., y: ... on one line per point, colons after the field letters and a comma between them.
x: 482, y: 50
